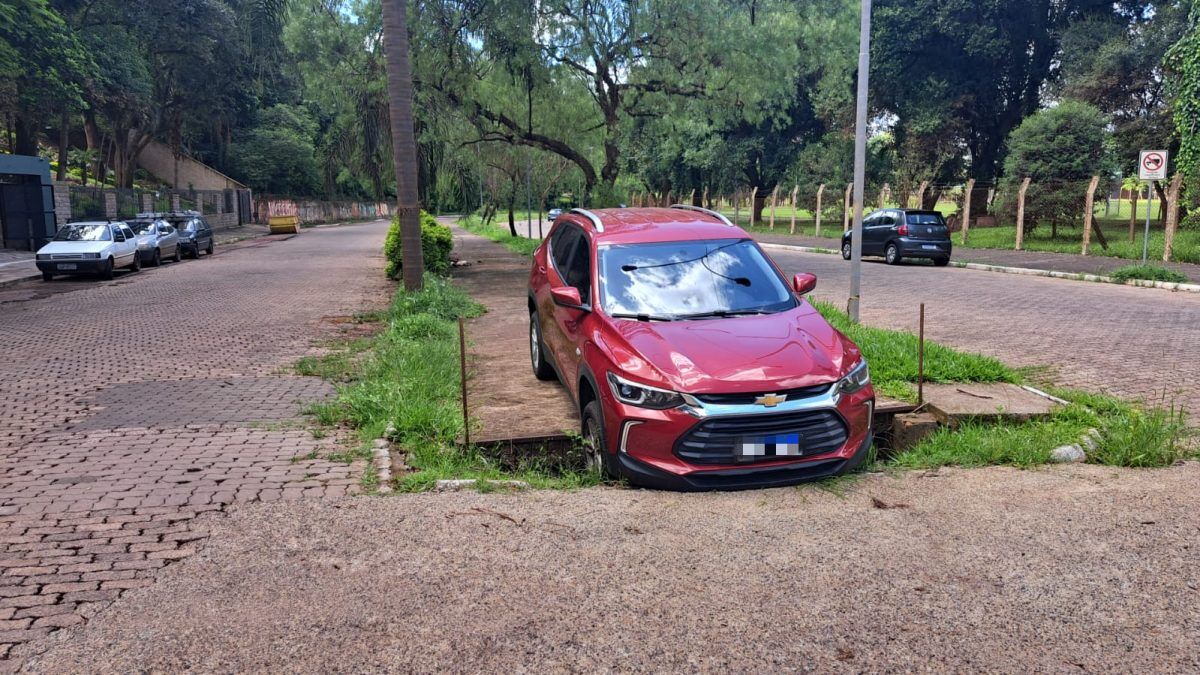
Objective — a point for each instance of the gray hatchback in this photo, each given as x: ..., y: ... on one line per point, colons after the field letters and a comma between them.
x: 896, y: 234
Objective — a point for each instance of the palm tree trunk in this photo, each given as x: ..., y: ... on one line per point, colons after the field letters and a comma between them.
x: 404, y: 146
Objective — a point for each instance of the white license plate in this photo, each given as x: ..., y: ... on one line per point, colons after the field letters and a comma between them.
x: 929, y: 247
x: 67, y: 266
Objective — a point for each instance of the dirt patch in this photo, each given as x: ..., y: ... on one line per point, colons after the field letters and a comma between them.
x: 506, y: 400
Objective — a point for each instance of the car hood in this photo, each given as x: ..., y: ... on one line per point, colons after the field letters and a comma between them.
x: 787, y: 350
x: 75, y: 247
x: 146, y: 238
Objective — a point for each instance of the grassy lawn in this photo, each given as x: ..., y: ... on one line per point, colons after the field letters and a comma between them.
x: 1186, y: 249
x: 498, y: 232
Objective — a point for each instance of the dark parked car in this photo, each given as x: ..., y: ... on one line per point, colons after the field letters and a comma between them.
x: 195, y: 234
x: 896, y: 234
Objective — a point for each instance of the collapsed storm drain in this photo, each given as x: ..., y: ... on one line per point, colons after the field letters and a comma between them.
x: 175, y: 403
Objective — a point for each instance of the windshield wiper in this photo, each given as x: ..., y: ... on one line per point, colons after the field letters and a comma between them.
x: 722, y: 313
x: 641, y: 317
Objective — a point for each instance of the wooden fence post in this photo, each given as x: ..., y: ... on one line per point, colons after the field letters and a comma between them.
x: 753, y: 204
x: 1021, y: 213
x: 795, y: 191
x: 774, y: 199
x: 820, y: 191
x: 737, y: 209
x: 966, y: 214
x: 921, y: 194
x: 1088, y: 204
x: 846, y: 208
x: 1172, y: 216
x: 704, y: 199
x: 884, y: 193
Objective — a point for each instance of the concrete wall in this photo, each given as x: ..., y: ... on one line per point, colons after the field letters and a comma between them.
x: 312, y: 211
x: 158, y: 159
x: 62, y: 203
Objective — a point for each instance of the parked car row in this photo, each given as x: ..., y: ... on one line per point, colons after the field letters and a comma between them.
x: 102, y: 247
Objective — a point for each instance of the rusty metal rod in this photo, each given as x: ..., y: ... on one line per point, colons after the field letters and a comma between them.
x: 921, y: 359
x: 462, y: 368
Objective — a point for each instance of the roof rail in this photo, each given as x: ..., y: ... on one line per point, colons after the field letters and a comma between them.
x: 709, y: 212
x: 596, y: 222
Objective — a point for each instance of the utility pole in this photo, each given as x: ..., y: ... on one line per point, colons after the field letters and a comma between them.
x: 860, y: 160
x: 528, y: 195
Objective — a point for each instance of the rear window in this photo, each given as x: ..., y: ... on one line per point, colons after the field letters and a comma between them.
x: 925, y: 219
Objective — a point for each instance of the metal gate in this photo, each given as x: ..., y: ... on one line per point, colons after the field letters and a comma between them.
x: 27, y: 219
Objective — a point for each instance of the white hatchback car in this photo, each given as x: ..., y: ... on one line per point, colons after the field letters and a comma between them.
x: 90, y: 247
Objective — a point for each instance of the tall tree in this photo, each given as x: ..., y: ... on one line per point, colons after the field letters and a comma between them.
x: 404, y: 144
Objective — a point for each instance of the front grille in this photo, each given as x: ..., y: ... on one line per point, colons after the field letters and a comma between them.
x: 66, y: 256
x: 748, y: 399
x: 718, y: 440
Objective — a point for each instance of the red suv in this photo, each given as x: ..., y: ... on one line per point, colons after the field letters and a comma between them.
x: 693, y: 364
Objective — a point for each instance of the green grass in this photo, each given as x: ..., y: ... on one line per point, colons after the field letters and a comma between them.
x: 1070, y: 240
x: 407, y: 376
x: 1128, y: 436
x: 498, y: 232
x: 1150, y: 272
x: 893, y: 358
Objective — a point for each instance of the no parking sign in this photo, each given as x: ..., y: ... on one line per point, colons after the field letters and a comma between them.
x: 1152, y: 165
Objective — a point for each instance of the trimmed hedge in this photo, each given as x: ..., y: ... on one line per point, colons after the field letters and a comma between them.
x: 436, y: 243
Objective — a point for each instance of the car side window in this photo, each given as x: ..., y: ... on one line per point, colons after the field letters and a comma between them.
x: 118, y: 233
x: 578, y: 269
x: 128, y: 232
x: 886, y: 220
x: 561, y: 243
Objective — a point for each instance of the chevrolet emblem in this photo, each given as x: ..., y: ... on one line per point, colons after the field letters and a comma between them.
x: 770, y: 400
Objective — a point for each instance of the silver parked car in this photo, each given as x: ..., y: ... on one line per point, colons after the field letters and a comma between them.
x: 90, y: 247
x: 156, y: 240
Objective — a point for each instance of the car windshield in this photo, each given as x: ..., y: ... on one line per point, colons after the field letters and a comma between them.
x: 142, y: 226
x: 924, y: 219
x: 84, y: 232
x: 690, y: 279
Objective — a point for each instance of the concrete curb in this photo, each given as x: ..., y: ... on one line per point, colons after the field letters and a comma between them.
x: 1071, y: 276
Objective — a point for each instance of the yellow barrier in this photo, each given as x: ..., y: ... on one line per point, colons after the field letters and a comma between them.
x: 285, y: 224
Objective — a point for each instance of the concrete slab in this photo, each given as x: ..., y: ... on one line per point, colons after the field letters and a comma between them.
x: 953, y: 403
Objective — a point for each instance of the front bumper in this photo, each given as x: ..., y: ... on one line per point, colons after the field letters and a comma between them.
x: 651, y: 450
x: 82, y: 266
x: 924, y: 248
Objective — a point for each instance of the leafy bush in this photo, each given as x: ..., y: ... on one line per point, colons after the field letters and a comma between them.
x: 1149, y: 272
x: 436, y: 243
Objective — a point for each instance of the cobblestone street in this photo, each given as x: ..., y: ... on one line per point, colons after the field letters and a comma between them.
x: 131, y: 407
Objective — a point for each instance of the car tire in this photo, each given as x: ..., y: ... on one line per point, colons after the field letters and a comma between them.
x: 846, y: 250
x: 596, y: 455
x: 210, y: 248
x: 47, y: 276
x: 156, y: 261
x: 107, y: 272
x: 136, y: 265
x: 177, y: 257
x: 892, y: 254
x: 542, y: 369
x: 941, y: 262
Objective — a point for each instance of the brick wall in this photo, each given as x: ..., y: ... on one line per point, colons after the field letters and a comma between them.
x: 110, y: 204
x: 62, y: 203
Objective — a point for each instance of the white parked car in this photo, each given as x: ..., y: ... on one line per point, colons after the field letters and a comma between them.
x: 87, y: 248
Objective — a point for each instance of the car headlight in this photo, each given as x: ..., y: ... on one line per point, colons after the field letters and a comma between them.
x: 95, y: 256
x: 855, y: 380
x: 643, y: 396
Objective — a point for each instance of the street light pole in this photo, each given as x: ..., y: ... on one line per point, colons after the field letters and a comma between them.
x: 860, y: 159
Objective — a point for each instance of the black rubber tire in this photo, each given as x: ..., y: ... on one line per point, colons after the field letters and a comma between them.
x: 592, y: 428
x: 107, y: 272
x: 156, y: 261
x: 47, y: 276
x: 210, y: 248
x: 846, y: 252
x: 941, y: 262
x: 177, y: 257
x: 892, y: 254
x: 195, y: 252
x: 542, y: 369
x: 136, y: 265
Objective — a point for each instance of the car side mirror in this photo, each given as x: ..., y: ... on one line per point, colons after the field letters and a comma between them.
x: 567, y: 296
x: 804, y: 283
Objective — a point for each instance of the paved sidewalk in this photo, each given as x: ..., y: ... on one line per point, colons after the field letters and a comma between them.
x: 131, y: 407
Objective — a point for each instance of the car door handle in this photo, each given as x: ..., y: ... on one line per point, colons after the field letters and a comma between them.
x: 541, y: 269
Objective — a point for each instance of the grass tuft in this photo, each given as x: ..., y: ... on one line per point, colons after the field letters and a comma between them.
x: 499, y: 233
x: 1148, y: 272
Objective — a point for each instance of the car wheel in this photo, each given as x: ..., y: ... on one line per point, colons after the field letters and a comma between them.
x: 47, y: 276
x: 136, y: 265
x: 599, y: 460
x: 157, y: 259
x: 892, y: 255
x: 176, y: 257
x: 195, y: 252
x: 846, y: 251
x: 209, y: 250
x: 107, y: 272
x: 537, y: 351
x: 941, y: 262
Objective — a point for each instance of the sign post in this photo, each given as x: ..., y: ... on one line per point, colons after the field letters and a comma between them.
x: 1152, y: 166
